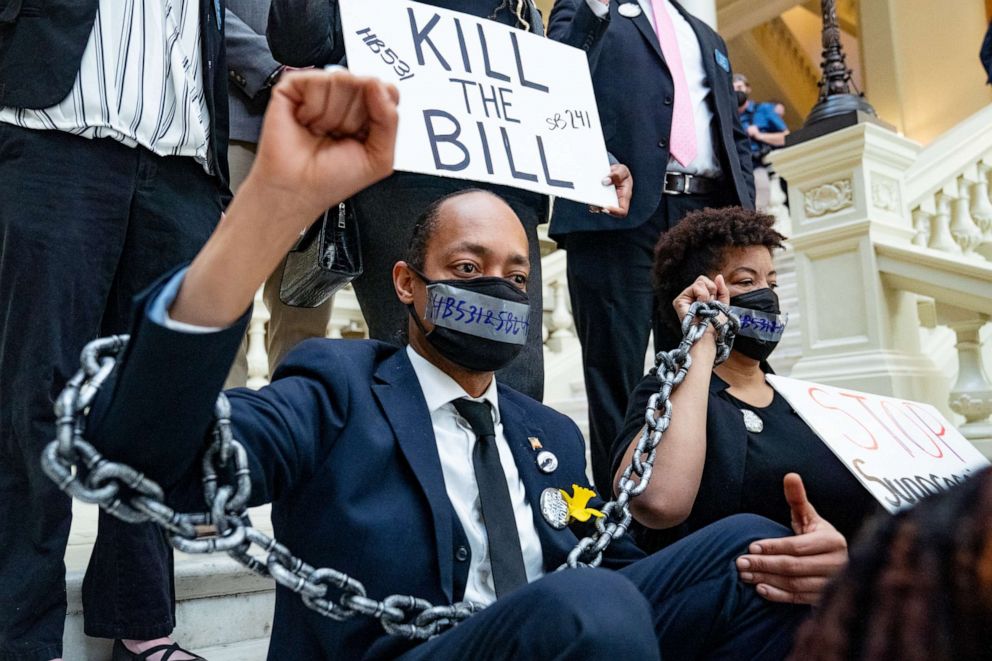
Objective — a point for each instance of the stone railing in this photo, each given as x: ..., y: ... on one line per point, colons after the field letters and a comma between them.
x: 892, y: 241
x: 949, y: 188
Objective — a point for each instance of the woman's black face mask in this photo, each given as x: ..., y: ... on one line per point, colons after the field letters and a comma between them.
x: 762, y: 322
x: 479, y: 323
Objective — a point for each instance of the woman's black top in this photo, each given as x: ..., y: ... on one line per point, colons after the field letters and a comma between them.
x: 744, y: 470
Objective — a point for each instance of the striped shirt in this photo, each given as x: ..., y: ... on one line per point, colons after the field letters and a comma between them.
x: 139, y: 82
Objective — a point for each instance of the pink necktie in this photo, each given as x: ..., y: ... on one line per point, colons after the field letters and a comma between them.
x: 683, y: 137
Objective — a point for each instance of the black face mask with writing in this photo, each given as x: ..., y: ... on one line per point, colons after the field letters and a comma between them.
x: 479, y: 323
x: 760, y: 333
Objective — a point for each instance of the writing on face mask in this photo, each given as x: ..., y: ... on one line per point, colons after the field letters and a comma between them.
x: 760, y: 325
x: 477, y: 314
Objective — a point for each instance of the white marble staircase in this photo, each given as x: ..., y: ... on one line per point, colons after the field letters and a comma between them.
x: 223, y: 611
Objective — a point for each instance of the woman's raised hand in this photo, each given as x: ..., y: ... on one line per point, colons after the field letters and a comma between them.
x: 704, y: 290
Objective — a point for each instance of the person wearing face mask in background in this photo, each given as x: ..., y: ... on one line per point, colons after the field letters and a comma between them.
x: 766, y: 130
x: 736, y: 445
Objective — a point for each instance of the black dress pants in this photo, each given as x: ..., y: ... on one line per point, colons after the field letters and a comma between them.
x: 386, y: 215
x: 683, y: 603
x: 615, y: 310
x: 84, y: 226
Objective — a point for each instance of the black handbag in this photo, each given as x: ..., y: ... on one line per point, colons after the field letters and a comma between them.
x: 326, y: 258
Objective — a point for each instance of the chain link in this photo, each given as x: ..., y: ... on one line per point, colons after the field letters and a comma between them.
x: 82, y: 472
x: 670, y: 370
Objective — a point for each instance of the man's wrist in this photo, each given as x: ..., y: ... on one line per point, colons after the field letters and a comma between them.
x: 273, y: 77
x: 279, y: 201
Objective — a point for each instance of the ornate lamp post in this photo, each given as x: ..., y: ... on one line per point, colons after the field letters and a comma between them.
x: 837, y: 107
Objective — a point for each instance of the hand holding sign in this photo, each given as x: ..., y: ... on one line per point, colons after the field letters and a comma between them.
x: 483, y: 101
x: 621, y: 179
x: 795, y: 569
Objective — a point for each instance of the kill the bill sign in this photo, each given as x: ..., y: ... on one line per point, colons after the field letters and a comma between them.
x: 482, y: 101
x: 900, y: 450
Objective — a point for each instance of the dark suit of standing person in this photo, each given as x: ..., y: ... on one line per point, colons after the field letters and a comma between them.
x: 412, y: 469
x: 985, y: 55
x: 653, y: 114
x: 113, y: 138
x: 308, y: 32
x: 252, y: 71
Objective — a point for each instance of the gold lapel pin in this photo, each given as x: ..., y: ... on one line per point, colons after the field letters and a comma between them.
x: 535, y: 443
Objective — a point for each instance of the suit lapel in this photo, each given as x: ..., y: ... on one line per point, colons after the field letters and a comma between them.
x: 554, y: 543
x: 641, y: 22
x: 706, y: 48
x: 718, y: 81
x: 398, y: 392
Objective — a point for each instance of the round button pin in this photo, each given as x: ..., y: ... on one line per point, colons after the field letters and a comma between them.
x: 547, y: 462
x: 629, y: 10
x: 554, y: 509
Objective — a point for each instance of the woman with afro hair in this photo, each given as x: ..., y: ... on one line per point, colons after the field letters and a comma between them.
x: 735, y: 445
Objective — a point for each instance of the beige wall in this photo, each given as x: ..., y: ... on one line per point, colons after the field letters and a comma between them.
x: 920, y: 60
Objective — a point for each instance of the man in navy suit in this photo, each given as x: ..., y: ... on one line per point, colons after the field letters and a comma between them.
x: 669, y: 112
x: 411, y: 468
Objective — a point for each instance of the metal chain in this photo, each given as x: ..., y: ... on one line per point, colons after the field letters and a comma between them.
x: 670, y: 368
x: 83, y: 473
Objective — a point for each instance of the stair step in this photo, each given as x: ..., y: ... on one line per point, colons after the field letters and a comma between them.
x: 218, y: 602
x: 248, y: 650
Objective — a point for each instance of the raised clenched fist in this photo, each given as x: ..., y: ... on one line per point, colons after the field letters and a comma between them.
x: 327, y: 135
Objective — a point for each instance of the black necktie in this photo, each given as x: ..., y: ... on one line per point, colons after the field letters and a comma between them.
x: 497, y: 509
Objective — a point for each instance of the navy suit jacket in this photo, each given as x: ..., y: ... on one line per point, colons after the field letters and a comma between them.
x: 634, y: 92
x: 342, y: 444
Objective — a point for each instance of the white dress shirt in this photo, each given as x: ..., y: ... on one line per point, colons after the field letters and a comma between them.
x: 139, y: 82
x: 455, y: 442
x: 706, y: 163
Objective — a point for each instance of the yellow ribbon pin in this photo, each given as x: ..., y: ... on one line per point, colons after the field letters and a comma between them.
x: 578, y: 503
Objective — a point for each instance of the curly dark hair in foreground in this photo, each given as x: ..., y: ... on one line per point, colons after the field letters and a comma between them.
x: 918, y: 586
x: 698, y: 246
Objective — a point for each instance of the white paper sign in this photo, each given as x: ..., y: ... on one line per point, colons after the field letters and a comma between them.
x: 480, y: 100
x: 900, y: 450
